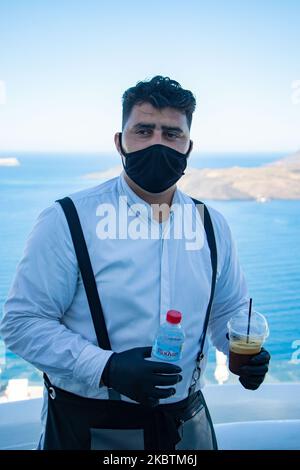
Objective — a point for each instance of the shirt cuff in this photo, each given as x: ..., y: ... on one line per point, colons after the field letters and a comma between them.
x: 90, y: 364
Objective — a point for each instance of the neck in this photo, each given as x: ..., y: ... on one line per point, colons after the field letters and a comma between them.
x: 165, y: 198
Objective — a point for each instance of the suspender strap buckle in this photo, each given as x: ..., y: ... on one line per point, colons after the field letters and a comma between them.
x: 200, y: 357
x: 52, y: 393
x: 196, y: 374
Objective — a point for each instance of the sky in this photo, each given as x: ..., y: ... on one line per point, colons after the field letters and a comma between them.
x: 64, y: 66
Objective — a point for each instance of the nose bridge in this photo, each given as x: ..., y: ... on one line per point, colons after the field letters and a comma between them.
x: 157, y: 136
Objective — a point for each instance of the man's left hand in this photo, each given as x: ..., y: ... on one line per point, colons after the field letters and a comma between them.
x: 253, y: 374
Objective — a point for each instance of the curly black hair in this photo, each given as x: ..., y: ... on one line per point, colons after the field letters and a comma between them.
x: 160, y: 92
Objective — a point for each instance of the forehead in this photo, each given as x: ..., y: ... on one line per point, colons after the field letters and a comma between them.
x: 146, y: 113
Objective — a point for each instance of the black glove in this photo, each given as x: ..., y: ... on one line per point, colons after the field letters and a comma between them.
x: 253, y: 374
x: 130, y: 374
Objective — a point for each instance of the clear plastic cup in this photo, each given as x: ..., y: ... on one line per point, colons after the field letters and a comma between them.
x: 243, y: 345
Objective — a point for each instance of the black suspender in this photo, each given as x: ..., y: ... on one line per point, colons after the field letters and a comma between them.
x: 86, y: 270
x: 89, y: 282
x: 209, y: 230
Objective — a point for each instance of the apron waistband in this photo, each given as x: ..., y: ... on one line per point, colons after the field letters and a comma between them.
x: 160, y: 424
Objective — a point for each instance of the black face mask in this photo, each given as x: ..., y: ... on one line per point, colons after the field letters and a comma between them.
x: 155, y: 168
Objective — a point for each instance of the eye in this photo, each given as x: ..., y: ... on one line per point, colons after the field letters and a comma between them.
x: 171, y: 135
x: 143, y: 131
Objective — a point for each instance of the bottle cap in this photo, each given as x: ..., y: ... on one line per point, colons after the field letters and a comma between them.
x: 173, y: 316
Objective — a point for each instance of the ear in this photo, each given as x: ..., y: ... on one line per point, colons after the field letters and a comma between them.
x: 191, y: 148
x: 117, y: 143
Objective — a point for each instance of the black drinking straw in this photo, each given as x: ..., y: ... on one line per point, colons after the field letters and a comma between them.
x: 249, y: 317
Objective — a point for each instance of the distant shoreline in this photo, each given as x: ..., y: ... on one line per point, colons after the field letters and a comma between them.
x: 9, y: 161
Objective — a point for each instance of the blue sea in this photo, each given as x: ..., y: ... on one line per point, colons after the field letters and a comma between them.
x: 267, y: 237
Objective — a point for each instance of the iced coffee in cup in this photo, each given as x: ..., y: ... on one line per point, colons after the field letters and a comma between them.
x: 245, y: 338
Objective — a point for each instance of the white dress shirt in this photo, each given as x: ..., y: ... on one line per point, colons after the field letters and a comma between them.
x: 46, y: 315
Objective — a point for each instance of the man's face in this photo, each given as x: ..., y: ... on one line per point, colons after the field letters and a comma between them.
x: 147, y: 126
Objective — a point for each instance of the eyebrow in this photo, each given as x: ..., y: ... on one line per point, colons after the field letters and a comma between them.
x: 143, y: 125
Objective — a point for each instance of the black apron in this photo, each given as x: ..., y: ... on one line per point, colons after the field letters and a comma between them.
x: 76, y: 422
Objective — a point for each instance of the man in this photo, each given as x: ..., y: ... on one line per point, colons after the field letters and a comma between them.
x: 141, y: 271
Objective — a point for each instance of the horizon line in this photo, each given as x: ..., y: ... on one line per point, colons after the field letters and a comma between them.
x: 3, y: 153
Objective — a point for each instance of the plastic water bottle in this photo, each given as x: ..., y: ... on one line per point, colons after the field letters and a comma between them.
x: 169, y: 340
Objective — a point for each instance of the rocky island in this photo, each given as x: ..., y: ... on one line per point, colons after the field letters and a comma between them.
x: 277, y: 180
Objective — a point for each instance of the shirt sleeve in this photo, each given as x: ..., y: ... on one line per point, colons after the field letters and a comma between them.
x: 42, y: 290
x: 231, y: 293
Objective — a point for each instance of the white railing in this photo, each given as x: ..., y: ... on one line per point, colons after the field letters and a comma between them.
x: 268, y: 418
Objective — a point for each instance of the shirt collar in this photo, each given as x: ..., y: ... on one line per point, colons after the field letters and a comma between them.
x: 133, y: 198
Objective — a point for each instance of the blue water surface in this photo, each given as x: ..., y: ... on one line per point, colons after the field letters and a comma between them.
x: 267, y: 237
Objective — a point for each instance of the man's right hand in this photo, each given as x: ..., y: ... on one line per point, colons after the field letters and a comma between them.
x: 130, y: 374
